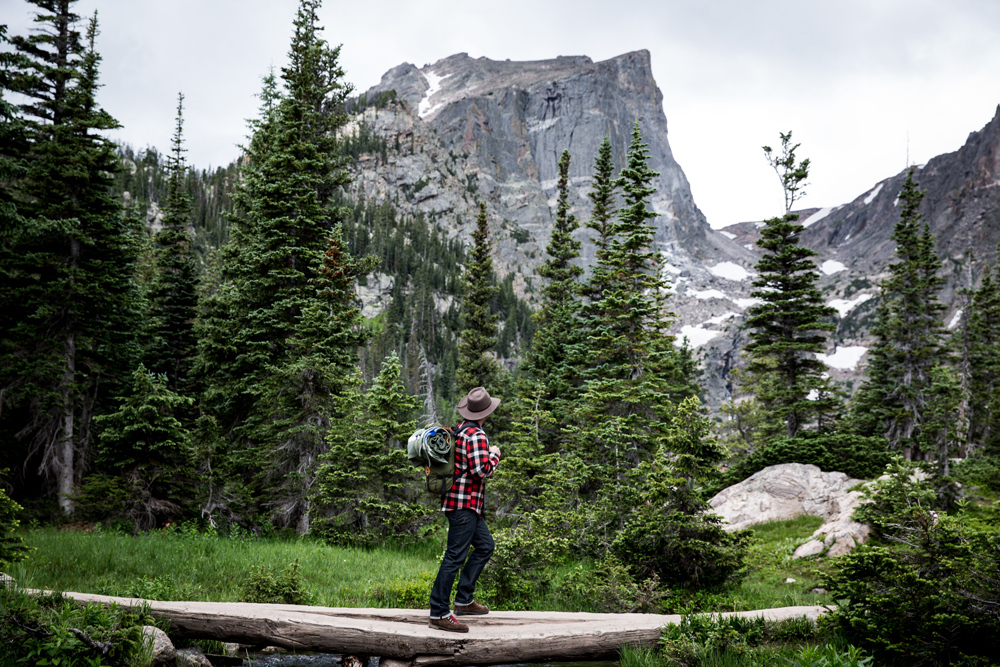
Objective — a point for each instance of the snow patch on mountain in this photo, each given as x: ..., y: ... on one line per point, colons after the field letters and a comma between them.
x: 746, y: 303
x: 425, y: 109
x: 831, y: 266
x: 696, y: 335
x: 844, y: 358
x: 707, y: 294
x: 844, y: 306
x: 730, y: 271
x: 670, y: 268
x: 874, y: 193
x: 819, y: 215
x: 956, y: 319
x: 728, y: 235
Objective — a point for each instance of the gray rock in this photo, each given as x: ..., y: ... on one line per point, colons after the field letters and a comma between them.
x: 790, y: 490
x: 162, y: 649
x: 810, y: 548
x: 192, y: 657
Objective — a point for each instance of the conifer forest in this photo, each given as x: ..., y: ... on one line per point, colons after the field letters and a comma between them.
x: 190, y: 347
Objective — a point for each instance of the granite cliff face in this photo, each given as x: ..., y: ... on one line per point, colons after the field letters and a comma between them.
x: 466, y: 129
x: 463, y: 130
x: 514, y: 119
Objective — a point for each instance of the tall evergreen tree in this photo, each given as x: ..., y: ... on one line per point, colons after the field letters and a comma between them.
x: 174, y: 293
x: 477, y: 364
x: 894, y: 399
x: 788, y: 327
x: 635, y: 375
x: 69, y: 304
x: 981, y: 326
x: 630, y: 313
x: 276, y: 346
x: 558, y: 330
x: 301, y: 394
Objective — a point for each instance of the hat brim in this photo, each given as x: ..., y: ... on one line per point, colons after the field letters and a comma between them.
x: 463, y: 409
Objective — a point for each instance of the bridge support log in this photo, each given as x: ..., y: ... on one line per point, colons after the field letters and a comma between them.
x: 402, y: 637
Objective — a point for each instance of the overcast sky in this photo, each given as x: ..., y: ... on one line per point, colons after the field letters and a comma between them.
x: 862, y: 83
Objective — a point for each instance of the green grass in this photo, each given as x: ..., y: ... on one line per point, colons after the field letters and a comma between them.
x: 193, y: 566
x: 770, y: 564
x: 188, y: 565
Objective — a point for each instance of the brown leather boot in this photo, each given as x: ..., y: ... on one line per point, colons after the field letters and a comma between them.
x: 471, y: 609
x: 449, y: 623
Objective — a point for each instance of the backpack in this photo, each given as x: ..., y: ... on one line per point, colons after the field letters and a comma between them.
x: 433, y: 449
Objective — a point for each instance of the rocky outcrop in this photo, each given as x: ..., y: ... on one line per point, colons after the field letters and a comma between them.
x: 791, y: 490
x: 962, y: 207
x: 468, y: 129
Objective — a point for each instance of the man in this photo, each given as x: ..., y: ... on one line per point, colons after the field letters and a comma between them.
x: 475, y: 461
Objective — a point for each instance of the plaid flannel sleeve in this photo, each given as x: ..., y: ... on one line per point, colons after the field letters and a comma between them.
x: 482, y: 462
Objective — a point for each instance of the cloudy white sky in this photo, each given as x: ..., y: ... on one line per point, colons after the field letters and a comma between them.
x: 862, y: 83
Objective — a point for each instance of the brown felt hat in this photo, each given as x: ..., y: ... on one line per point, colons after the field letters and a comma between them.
x: 477, y: 404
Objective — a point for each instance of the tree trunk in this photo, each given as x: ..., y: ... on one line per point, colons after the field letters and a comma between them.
x: 404, y: 636
x: 65, y: 469
x: 302, y: 526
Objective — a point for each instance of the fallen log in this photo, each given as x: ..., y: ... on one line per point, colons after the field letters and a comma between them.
x: 403, y: 637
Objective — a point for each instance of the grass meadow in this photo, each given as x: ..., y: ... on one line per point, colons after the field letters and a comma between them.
x: 186, y: 564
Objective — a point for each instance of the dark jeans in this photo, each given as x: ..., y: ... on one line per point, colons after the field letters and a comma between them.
x: 465, y: 529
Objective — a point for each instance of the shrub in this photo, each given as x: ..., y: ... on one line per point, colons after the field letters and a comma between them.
x: 520, y: 570
x: 268, y: 586
x: 610, y: 587
x: 828, y: 655
x: 12, y: 547
x: 931, y: 597
x: 984, y: 470
x: 701, y: 640
x: 53, y: 630
x: 412, y: 593
x: 857, y: 456
x: 670, y: 534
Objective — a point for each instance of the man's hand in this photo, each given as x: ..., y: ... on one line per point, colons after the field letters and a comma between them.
x: 495, y: 450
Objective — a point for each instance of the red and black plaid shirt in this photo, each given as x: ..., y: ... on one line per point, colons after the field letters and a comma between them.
x: 474, y: 463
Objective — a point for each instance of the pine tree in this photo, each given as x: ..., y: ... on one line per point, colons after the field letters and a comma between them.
x: 981, y: 326
x: 908, y: 333
x: 788, y: 327
x: 477, y: 364
x: 174, y: 295
x: 635, y: 375
x: 301, y: 393
x: 145, y: 444
x: 365, y: 484
x: 547, y: 362
x: 276, y: 347
x: 71, y: 308
x: 629, y: 313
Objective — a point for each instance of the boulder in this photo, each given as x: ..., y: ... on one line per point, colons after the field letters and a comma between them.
x: 192, y: 657
x: 791, y: 490
x: 162, y: 649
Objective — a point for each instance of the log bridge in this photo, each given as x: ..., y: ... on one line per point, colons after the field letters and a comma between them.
x: 402, y: 637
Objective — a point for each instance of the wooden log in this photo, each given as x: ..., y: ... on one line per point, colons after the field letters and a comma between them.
x: 404, y: 636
